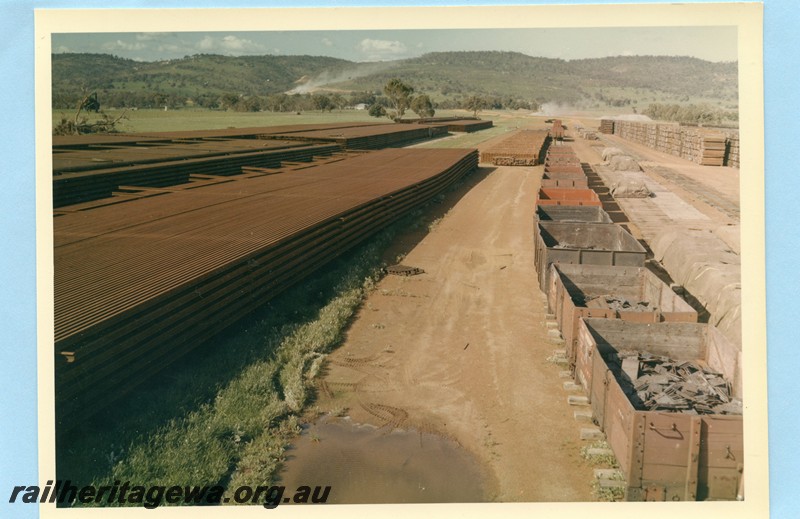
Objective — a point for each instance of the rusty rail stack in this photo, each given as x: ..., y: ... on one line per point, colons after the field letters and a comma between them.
x: 257, y: 132
x: 521, y: 148
x: 140, y: 283
x: 453, y: 124
x: 468, y: 126
x: 77, y: 186
x: 92, y: 167
x: 371, y: 137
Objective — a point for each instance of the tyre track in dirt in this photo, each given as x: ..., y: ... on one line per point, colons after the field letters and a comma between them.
x: 469, y: 343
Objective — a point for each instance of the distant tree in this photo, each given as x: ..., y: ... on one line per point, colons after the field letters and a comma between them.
x: 229, y: 101
x: 475, y: 104
x: 303, y: 102
x: 423, y: 106
x: 322, y: 102
x: 338, y: 101
x: 690, y: 114
x: 367, y: 98
x: 377, y: 110
x: 278, y: 103
x: 251, y: 104
x: 399, y: 95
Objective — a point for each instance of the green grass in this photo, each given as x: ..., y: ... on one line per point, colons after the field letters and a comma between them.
x: 201, y: 119
x: 606, y: 460
x: 503, y: 121
x: 227, y: 413
x: 608, y: 494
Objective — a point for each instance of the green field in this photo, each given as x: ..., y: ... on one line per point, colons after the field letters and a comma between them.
x: 200, y: 119
x: 190, y: 119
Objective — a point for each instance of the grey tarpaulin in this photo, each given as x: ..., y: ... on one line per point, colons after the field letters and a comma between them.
x: 707, y: 267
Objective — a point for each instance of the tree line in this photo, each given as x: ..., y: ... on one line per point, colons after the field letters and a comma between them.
x: 693, y: 114
x: 423, y: 104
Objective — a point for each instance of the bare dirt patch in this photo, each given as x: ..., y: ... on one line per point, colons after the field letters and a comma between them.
x: 460, y: 350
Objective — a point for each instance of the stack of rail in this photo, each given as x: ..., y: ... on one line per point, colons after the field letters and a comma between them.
x: 607, y: 126
x: 453, y: 124
x: 91, y: 167
x: 254, y: 132
x: 81, y: 175
x: 371, y: 137
x: 140, y: 283
x: 468, y: 126
x: 521, y: 148
x: 703, y: 146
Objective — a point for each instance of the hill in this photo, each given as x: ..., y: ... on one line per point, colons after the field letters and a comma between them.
x: 447, y: 77
x: 605, y: 80
x: 203, y: 78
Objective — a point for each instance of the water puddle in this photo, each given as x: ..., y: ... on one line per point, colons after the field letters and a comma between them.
x: 366, y: 465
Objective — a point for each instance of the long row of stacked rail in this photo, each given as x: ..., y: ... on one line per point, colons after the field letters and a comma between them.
x: 664, y: 389
x: 146, y: 275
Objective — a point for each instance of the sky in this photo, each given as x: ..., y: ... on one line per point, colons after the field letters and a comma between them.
x: 708, y: 43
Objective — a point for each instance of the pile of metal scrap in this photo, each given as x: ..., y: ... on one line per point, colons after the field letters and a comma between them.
x: 657, y: 383
x: 617, y: 304
x: 567, y: 245
x: 403, y: 270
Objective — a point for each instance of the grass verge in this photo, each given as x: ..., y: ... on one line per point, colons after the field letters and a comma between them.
x: 599, y: 454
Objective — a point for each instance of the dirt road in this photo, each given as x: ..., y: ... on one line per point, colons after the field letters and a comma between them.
x: 461, y: 350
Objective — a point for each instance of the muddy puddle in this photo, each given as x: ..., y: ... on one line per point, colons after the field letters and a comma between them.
x: 367, y: 465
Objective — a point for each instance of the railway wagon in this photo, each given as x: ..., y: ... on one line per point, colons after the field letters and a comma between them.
x: 665, y: 455
x: 628, y: 293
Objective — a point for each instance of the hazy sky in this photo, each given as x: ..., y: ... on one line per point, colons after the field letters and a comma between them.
x: 709, y: 43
